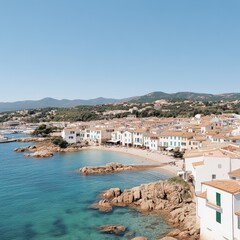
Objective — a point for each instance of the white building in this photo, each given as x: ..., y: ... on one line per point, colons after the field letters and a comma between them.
x: 71, y: 135
x: 178, y: 140
x: 209, y: 165
x: 98, y: 135
x: 218, y: 209
x: 127, y: 138
x: 151, y: 141
x: 116, y: 136
x: 138, y: 135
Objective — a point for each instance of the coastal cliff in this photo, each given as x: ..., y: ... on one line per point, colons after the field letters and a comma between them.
x: 171, y: 198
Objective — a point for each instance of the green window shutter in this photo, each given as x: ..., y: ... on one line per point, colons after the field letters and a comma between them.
x: 218, y: 199
x: 218, y: 217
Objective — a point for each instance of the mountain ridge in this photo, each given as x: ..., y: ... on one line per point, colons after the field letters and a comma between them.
x: 150, y: 97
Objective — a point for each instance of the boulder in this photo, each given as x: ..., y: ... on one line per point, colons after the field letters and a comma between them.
x: 104, y: 205
x: 136, y: 193
x: 147, y: 205
x: 113, y: 229
x: 168, y: 238
x: 112, y: 192
x: 40, y: 154
x: 139, y: 238
x: 174, y: 233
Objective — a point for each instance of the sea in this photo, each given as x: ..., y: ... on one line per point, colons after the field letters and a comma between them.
x: 47, y: 199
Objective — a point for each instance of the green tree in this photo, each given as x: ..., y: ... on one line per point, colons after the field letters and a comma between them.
x: 59, y: 141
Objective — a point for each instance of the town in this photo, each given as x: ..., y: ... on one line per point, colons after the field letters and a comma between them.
x: 208, y: 145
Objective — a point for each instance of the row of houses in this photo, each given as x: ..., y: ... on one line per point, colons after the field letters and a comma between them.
x: 134, y: 137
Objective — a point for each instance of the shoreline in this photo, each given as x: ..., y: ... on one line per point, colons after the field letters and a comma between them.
x: 152, y: 157
x: 172, y: 165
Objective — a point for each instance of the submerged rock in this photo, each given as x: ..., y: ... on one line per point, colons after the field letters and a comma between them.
x: 168, y: 238
x: 113, y: 229
x: 139, y: 238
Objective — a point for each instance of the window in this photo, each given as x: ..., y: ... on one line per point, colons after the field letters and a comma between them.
x: 218, y: 199
x: 213, y: 176
x: 218, y: 217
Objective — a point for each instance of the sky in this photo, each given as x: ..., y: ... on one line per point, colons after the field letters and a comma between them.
x: 78, y: 49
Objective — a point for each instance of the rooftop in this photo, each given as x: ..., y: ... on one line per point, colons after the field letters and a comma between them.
x: 230, y: 186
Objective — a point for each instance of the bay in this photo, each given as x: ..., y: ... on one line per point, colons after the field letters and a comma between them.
x: 48, y: 199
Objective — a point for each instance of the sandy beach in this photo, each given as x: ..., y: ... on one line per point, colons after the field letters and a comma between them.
x: 152, y: 157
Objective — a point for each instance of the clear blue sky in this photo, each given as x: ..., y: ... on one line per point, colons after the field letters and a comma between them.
x: 117, y: 48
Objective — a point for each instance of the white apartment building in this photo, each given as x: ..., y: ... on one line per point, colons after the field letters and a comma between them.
x: 127, y: 138
x: 98, y: 135
x: 218, y: 209
x: 138, y: 136
x: 209, y: 165
x: 71, y: 135
x: 116, y: 136
x: 180, y: 140
x: 151, y: 141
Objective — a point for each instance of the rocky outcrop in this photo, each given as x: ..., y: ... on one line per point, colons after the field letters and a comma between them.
x: 39, y: 154
x: 44, y: 149
x: 173, y: 198
x: 108, y: 168
x: 31, y: 139
x: 113, y: 229
x: 26, y: 148
x: 114, y: 167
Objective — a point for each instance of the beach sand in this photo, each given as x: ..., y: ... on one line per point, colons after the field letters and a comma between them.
x: 153, y: 157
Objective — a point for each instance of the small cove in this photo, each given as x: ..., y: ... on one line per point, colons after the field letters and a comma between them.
x: 47, y: 199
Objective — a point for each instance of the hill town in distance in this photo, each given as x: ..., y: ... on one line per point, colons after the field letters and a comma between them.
x: 194, y: 137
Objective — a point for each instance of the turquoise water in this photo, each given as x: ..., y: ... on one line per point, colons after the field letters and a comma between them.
x: 47, y: 199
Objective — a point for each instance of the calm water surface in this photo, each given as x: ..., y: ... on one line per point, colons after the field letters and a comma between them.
x: 47, y: 199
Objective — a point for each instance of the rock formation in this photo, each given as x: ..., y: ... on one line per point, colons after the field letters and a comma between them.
x: 113, y: 229
x: 114, y: 167
x: 44, y: 149
x: 171, y: 197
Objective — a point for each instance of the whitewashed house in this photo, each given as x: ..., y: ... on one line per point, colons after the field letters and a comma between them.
x: 116, y: 136
x: 178, y: 140
x: 127, y: 138
x: 71, y: 135
x: 138, y: 136
x: 151, y: 141
x: 218, y: 210
x: 206, y: 165
x: 98, y: 135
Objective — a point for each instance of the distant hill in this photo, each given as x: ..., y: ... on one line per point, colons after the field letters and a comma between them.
x: 150, y: 97
x: 51, y: 102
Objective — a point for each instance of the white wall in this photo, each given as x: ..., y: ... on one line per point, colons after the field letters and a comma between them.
x: 212, y: 165
x: 210, y: 228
